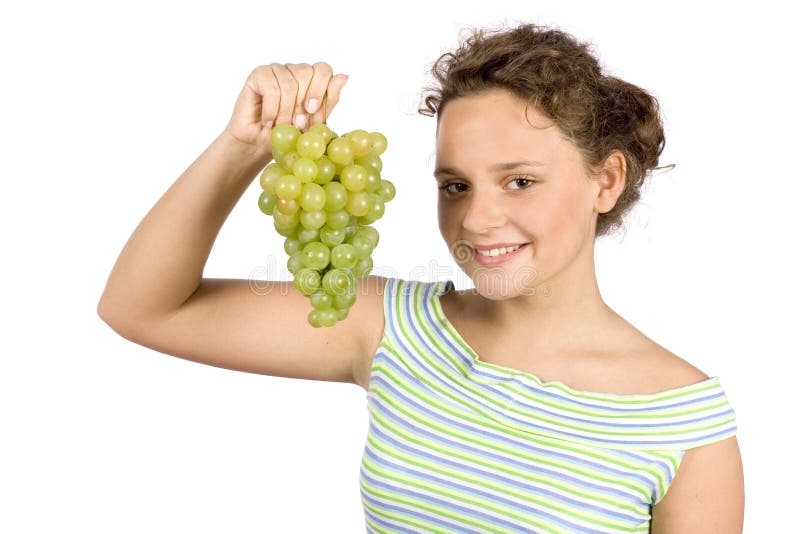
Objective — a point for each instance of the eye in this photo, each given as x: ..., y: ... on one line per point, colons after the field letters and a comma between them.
x: 452, y: 188
x: 522, y: 182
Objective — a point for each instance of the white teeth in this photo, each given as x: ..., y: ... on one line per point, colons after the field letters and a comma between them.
x: 498, y: 251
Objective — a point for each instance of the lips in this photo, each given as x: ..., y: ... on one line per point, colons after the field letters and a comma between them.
x: 497, y: 255
x: 495, y: 245
x: 496, y: 251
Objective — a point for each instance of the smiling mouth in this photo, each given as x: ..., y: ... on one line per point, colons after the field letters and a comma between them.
x: 498, y: 251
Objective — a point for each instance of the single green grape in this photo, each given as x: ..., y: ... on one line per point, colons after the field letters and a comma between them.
x: 370, y: 233
x: 344, y: 256
x: 287, y: 207
x: 283, y: 137
x: 376, y: 209
x: 313, y: 197
x: 287, y: 221
x: 305, y: 169
x: 340, y: 151
x: 351, y: 229
x: 358, y: 204
x: 379, y: 143
x: 362, y: 245
x: 370, y: 160
x: 363, y: 267
x: 292, y: 245
x: 373, y: 180
x: 342, y: 314
x: 313, y: 319
x: 269, y: 175
x: 287, y: 161
x: 326, y: 170
x: 306, y: 235
x: 338, y: 219
x: 312, y: 220
x: 311, y: 145
x: 266, y: 202
x: 386, y: 190
x: 316, y: 255
x: 307, y: 281
x: 288, y: 186
x: 328, y: 317
x: 339, y: 281
x: 354, y: 178
x: 295, y: 262
x: 344, y: 301
x: 285, y: 230
x: 361, y: 141
x: 322, y: 129
x: 335, y: 196
x: 320, y: 300
x: 331, y: 236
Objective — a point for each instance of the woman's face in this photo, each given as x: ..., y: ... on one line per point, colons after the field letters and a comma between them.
x: 489, y: 197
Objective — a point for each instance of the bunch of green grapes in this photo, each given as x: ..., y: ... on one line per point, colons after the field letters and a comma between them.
x: 323, y: 192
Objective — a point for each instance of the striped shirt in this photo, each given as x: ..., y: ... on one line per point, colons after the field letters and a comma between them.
x: 456, y: 444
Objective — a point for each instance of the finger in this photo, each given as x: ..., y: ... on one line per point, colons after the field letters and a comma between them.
x: 316, y: 92
x: 288, y: 85
x: 303, y: 73
x: 334, y: 89
x: 265, y: 91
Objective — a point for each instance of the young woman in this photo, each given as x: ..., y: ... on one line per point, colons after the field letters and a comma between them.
x: 524, y: 405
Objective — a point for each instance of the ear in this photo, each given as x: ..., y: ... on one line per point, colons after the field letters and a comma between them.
x: 610, y: 182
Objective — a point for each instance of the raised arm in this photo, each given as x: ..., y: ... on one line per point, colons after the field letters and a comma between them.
x: 156, y: 296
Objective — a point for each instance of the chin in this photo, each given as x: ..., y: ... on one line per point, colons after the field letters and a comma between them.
x: 501, y: 284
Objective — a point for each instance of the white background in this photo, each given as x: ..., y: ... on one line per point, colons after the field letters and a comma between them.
x: 104, y: 105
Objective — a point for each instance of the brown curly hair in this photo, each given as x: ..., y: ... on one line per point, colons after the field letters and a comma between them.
x: 564, y: 81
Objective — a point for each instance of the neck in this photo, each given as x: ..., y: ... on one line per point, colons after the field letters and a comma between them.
x: 566, y: 310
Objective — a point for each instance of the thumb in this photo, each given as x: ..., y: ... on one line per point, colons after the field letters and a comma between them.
x: 332, y: 95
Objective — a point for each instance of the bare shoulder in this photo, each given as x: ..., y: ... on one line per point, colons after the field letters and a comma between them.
x: 670, y: 371
x: 654, y: 367
x: 707, y: 493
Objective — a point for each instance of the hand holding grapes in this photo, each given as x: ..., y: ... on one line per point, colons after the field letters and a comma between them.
x: 283, y: 94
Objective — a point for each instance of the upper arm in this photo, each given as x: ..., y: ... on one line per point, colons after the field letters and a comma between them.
x: 234, y: 325
x: 707, y: 493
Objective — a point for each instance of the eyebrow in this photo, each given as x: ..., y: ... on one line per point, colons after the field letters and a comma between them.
x: 507, y: 166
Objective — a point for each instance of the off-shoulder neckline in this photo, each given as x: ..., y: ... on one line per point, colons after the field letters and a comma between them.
x: 443, y: 287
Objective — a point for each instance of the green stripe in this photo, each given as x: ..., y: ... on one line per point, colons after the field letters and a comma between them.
x: 481, y: 504
x: 501, y: 427
x: 564, y: 445
x: 546, y: 482
x: 422, y: 504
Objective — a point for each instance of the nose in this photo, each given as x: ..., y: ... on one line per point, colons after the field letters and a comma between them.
x: 483, y: 214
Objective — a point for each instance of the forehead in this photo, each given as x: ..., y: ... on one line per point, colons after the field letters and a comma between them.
x: 494, y: 125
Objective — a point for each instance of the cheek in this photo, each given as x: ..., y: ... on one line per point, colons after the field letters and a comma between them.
x: 560, y: 215
x: 446, y: 220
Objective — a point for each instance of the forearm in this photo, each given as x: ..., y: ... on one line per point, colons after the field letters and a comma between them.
x: 162, y: 263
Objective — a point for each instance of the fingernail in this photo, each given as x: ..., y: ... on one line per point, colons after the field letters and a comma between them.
x: 300, y: 120
x: 268, y: 124
x: 313, y: 105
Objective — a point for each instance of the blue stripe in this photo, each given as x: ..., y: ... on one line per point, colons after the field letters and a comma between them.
x: 479, y: 473
x: 468, y: 512
x: 531, y: 446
